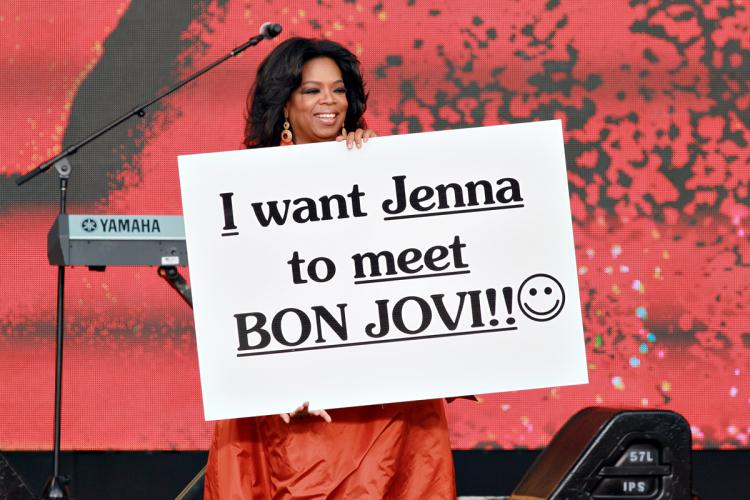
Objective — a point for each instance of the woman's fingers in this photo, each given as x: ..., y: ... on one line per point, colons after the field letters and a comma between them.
x: 301, y: 410
x: 304, y: 411
x: 368, y: 133
x: 322, y: 414
x: 358, y: 137
x: 350, y: 139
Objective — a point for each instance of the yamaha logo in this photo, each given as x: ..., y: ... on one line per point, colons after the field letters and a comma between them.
x: 88, y: 225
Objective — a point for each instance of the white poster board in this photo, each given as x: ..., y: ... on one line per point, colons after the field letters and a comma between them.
x: 421, y: 266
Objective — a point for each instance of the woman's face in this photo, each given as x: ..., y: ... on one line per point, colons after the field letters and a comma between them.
x: 317, y: 108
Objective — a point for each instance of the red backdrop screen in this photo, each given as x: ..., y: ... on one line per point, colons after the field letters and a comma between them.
x: 653, y: 95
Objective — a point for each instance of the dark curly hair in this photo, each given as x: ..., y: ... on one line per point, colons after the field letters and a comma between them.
x: 280, y: 74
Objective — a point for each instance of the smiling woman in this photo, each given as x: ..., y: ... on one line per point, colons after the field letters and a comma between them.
x: 313, y: 88
x: 316, y: 110
x: 307, y: 91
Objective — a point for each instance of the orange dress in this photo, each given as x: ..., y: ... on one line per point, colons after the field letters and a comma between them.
x: 393, y: 451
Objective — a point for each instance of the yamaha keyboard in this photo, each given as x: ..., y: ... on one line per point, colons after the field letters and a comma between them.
x: 117, y: 240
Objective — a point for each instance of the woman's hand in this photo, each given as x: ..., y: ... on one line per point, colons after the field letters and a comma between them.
x: 357, y: 137
x: 304, y: 411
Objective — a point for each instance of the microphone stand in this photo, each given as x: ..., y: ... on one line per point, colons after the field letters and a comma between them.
x: 56, y: 487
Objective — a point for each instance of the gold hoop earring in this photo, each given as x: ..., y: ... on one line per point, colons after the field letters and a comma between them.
x: 343, y: 132
x: 286, y: 134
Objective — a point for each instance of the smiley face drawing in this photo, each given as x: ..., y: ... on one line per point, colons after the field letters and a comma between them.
x: 541, y: 297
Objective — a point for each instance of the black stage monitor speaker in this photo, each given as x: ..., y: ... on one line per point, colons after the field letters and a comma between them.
x: 609, y: 454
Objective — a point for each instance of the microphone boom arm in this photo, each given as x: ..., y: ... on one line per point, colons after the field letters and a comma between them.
x: 140, y: 110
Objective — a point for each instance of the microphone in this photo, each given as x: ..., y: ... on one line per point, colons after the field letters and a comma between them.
x: 270, y: 30
x: 267, y: 31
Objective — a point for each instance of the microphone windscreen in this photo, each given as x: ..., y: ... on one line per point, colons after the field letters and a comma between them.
x: 270, y: 30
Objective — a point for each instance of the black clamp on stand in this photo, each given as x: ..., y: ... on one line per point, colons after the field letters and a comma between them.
x: 56, y: 487
x: 177, y: 281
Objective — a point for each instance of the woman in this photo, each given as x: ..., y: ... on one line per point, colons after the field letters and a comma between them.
x: 314, y: 102
x: 312, y: 91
